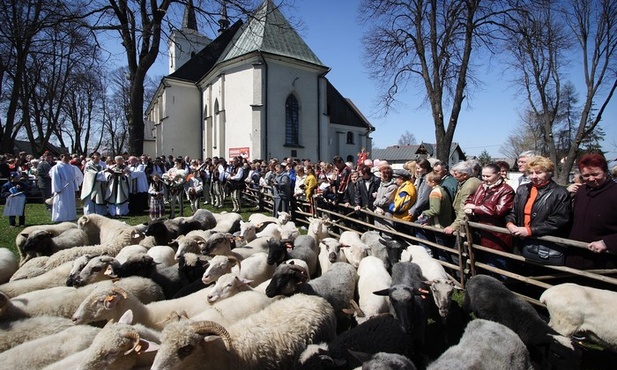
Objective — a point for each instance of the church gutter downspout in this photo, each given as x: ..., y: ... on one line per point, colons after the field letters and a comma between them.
x: 265, y: 103
x: 319, y: 77
x: 201, y: 123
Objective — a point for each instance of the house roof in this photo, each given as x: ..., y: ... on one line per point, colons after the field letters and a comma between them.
x: 269, y: 31
x: 410, y: 152
x: 207, y: 58
x: 342, y: 111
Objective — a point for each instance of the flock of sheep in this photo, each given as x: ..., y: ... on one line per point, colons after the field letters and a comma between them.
x: 212, y: 291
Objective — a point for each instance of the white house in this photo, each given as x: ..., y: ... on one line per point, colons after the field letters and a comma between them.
x: 256, y: 90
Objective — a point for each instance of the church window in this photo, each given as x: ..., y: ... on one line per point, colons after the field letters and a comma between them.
x: 350, y: 137
x: 292, y: 125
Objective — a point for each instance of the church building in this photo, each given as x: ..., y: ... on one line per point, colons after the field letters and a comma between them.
x: 256, y: 90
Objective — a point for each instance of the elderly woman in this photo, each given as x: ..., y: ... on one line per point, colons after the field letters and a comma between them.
x: 385, y: 194
x: 541, y: 207
x: 489, y: 205
x: 594, y: 219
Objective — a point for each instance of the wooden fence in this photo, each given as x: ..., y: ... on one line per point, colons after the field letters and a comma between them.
x: 526, y: 278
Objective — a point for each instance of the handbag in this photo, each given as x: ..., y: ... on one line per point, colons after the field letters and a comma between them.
x: 544, y: 252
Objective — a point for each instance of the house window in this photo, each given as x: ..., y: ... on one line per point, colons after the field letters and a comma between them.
x: 292, y: 126
x: 349, y: 137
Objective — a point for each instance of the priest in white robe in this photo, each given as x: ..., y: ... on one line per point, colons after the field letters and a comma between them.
x: 64, y: 184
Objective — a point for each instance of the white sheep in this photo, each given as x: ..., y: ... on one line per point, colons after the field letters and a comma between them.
x: 39, y: 265
x: 117, y: 346
x: 163, y: 255
x: 38, y: 353
x: 64, y: 301
x: 110, y: 302
x: 254, y: 268
x: 222, y: 244
x: 8, y: 264
x: 192, y: 242
x: 580, y: 309
x: 281, y: 338
x: 318, y: 228
x: 227, y: 286
x: 130, y: 250
x: 289, y: 231
x: 55, y: 229
x: 101, y: 229
x: 228, y: 311
x: 353, y: 248
x: 329, y: 253
x: 15, y: 332
x: 227, y: 222
x: 441, y: 285
x: 52, y: 278
x: 99, y: 268
x: 372, y: 276
x: 260, y: 220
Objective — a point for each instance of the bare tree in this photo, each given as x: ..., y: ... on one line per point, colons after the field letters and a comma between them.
x: 548, y: 32
x: 140, y: 27
x: 523, y: 138
x: 431, y: 42
x: 407, y: 139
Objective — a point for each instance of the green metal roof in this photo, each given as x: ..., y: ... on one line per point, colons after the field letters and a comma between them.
x: 269, y: 31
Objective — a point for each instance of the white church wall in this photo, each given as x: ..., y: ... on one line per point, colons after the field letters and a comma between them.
x: 179, y: 132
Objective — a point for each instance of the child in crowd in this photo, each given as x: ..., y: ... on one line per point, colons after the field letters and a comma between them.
x: 439, y: 214
x: 15, y: 193
x: 157, y: 197
x: 194, y: 188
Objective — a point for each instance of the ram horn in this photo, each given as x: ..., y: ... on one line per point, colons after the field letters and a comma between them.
x: 211, y: 327
x: 135, y: 341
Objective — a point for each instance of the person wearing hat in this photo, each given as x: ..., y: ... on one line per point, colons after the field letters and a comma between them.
x: 15, y: 193
x: 404, y: 198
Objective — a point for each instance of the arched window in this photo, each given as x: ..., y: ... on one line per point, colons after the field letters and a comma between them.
x: 349, y: 137
x: 215, y: 123
x: 292, y: 125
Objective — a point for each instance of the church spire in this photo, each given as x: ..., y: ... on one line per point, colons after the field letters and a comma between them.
x: 224, y: 21
x: 189, y: 21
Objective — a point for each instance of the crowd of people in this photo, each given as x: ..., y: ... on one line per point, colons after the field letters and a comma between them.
x: 422, y: 192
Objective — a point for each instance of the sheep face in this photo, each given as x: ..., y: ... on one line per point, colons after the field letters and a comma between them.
x: 219, y: 265
x: 181, y: 344
x: 333, y: 248
x: 37, y: 241
x: 277, y: 251
x: 226, y: 286
x: 217, y: 244
x: 408, y: 307
x: 442, y: 295
x: 78, y: 265
x: 113, y: 344
x: 286, y: 280
x: 99, y: 305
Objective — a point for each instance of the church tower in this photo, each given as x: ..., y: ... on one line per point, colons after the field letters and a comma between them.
x: 187, y: 41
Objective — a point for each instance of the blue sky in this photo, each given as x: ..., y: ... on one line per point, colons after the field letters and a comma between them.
x: 331, y: 30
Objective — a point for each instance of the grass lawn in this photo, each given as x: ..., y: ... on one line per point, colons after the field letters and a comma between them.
x: 36, y: 214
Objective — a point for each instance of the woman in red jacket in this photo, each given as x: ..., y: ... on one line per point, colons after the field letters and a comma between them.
x: 489, y: 205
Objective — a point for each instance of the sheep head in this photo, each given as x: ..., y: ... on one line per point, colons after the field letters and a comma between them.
x: 101, y: 304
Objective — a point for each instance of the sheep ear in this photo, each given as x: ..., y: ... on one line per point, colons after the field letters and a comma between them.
x: 383, y: 292
x: 127, y: 317
x: 109, y: 271
x: 147, y: 346
x: 24, y: 235
x: 111, y: 300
